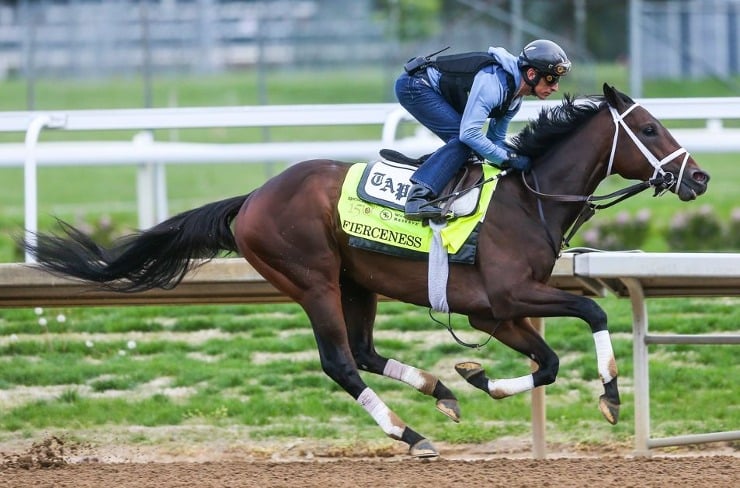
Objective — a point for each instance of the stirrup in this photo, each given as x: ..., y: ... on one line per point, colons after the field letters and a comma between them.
x: 429, y: 213
x: 423, y: 210
x: 418, y: 206
x: 420, y: 209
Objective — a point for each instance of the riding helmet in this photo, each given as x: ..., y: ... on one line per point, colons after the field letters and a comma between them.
x: 544, y: 56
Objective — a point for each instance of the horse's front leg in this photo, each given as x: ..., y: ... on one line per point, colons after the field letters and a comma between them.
x: 521, y: 336
x: 538, y: 300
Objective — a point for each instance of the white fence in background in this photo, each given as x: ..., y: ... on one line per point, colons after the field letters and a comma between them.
x: 151, y: 156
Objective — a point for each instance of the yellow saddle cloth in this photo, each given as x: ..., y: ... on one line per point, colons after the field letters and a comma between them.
x: 387, y: 226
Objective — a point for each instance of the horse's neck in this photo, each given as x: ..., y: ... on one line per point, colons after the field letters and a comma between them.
x: 578, y: 165
x: 575, y: 167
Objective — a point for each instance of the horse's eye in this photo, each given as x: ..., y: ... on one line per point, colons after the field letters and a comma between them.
x: 649, y: 130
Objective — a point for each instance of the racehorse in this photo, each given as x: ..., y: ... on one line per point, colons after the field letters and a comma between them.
x: 290, y: 232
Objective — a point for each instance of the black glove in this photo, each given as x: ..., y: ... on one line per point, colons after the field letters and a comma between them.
x: 518, y: 162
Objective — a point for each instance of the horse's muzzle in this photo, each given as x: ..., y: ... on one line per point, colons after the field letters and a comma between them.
x: 693, y: 184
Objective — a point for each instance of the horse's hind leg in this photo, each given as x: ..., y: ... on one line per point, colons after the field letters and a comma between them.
x: 286, y: 231
x: 318, y: 293
x: 521, y: 336
x: 359, y: 306
x: 337, y: 362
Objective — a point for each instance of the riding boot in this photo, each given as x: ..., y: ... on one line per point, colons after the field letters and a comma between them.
x: 418, y: 206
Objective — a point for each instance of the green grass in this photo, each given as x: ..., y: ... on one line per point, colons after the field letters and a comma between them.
x: 233, y: 372
x: 257, y: 366
x: 356, y: 85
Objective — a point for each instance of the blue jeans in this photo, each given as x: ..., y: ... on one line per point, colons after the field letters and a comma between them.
x: 432, y: 110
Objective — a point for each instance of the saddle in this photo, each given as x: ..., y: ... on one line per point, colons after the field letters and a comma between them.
x: 469, y: 175
x: 371, y: 210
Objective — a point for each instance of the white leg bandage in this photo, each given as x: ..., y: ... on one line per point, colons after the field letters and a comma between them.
x: 605, y: 356
x: 386, y: 419
x: 424, y: 382
x: 510, y: 386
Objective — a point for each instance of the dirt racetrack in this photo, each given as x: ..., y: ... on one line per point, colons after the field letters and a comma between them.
x: 54, y: 463
x: 694, y: 472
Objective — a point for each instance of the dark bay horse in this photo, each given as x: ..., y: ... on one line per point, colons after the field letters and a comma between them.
x: 290, y: 232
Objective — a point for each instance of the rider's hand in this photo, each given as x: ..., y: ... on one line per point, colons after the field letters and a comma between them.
x: 519, y: 162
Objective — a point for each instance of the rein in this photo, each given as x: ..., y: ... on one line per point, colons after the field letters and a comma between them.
x: 589, y: 207
x: 623, y: 194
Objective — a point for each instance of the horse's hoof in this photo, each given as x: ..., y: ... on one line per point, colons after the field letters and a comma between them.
x: 449, y: 407
x: 609, y: 409
x: 468, y: 369
x: 423, y: 449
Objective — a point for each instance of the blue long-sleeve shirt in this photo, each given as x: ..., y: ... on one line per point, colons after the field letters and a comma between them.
x: 488, y: 92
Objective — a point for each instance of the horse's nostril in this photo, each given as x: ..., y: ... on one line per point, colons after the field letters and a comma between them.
x: 700, y: 177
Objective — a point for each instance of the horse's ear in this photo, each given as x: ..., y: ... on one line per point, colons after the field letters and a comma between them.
x: 615, y: 98
x: 611, y: 95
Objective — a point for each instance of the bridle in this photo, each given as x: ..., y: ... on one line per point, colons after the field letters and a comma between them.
x: 667, y: 179
x: 661, y: 180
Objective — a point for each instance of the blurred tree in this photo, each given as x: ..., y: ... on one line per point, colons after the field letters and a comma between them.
x: 605, y: 20
x: 605, y: 24
x: 606, y: 29
x: 413, y: 19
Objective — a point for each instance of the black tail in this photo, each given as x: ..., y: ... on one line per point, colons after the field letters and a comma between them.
x: 158, y: 257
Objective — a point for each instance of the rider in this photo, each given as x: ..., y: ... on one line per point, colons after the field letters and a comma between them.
x: 454, y: 95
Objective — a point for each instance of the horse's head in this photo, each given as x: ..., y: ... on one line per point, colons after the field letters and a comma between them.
x: 644, y: 150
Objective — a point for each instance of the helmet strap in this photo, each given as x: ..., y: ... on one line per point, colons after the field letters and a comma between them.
x: 533, y: 82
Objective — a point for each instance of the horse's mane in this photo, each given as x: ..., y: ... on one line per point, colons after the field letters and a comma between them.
x: 554, y: 124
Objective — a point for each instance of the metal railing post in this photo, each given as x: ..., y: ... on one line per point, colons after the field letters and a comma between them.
x: 390, y: 126
x: 539, y: 406
x: 640, y: 366
x: 30, y: 180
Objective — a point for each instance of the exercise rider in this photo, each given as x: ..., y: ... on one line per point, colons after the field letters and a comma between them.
x: 454, y: 95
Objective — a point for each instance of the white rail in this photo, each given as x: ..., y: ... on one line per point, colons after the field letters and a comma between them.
x: 151, y: 155
x: 660, y: 275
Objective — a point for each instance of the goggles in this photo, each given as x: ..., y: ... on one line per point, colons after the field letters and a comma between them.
x: 551, y: 79
x: 552, y: 76
x: 561, y: 68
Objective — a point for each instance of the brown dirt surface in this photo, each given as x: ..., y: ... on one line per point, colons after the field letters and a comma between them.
x: 54, y: 462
